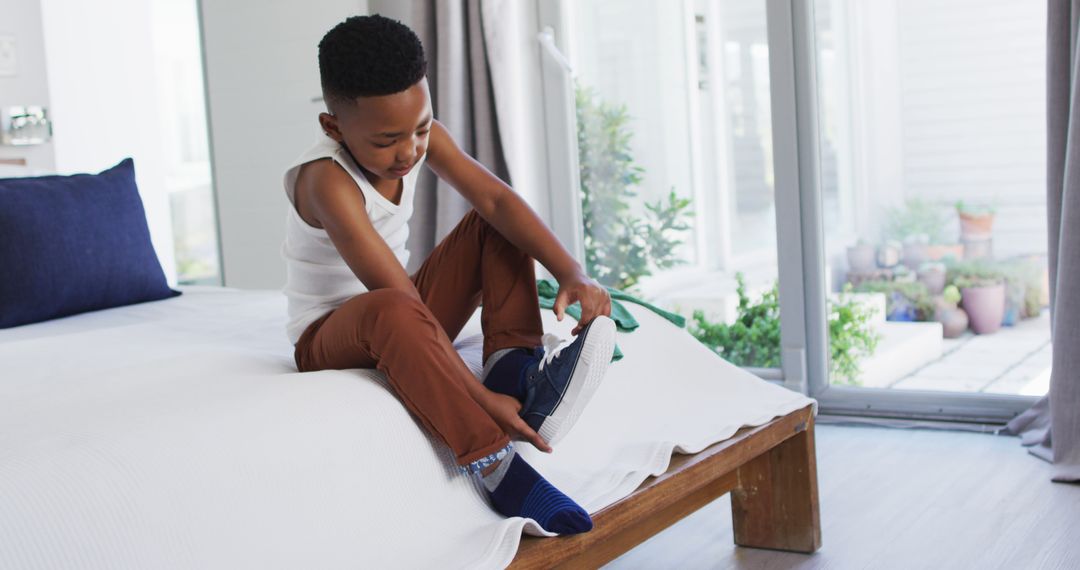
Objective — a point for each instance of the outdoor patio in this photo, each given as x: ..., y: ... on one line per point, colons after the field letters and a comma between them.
x: 914, y: 356
x: 1015, y: 360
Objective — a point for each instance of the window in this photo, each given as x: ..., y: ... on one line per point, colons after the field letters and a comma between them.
x: 182, y: 109
x: 883, y: 161
x: 675, y: 150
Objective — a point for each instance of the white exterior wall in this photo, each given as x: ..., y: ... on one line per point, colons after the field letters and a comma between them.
x: 973, y: 76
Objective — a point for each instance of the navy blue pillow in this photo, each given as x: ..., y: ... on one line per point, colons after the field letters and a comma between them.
x: 72, y: 244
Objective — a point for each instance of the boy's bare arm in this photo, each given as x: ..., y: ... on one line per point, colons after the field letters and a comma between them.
x: 331, y: 196
x: 497, y: 203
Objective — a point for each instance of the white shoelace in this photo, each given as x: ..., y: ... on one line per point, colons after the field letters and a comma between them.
x: 552, y: 346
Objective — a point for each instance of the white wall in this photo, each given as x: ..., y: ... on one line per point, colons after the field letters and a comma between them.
x: 29, y: 85
x: 261, y: 73
x: 942, y: 101
x: 974, y: 110
x: 105, y: 102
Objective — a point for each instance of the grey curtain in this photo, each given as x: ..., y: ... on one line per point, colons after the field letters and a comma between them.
x: 1052, y: 426
x: 463, y: 100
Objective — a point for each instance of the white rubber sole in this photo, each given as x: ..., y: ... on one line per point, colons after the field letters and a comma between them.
x: 591, y: 366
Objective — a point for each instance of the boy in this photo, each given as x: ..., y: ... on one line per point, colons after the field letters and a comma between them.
x: 352, y: 305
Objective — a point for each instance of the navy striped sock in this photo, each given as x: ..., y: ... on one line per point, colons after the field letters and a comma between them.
x: 521, y: 492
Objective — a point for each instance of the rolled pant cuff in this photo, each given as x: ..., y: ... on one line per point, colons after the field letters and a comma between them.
x: 486, y: 461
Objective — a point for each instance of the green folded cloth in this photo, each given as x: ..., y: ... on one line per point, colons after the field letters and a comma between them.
x: 548, y: 289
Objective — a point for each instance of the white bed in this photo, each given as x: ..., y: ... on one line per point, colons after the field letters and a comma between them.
x: 178, y: 434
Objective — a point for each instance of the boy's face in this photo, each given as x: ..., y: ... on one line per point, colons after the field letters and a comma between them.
x: 386, y: 134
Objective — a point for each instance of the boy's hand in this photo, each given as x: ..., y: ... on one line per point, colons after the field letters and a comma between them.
x: 594, y: 299
x: 504, y: 410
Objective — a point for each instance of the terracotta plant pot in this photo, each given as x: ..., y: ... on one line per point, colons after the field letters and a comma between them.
x: 940, y: 252
x: 861, y: 258
x: 976, y: 225
x: 985, y: 307
x: 978, y: 247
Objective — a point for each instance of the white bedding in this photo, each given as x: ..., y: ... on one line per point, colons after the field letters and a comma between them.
x: 177, y: 434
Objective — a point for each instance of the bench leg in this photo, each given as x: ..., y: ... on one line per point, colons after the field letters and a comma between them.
x: 776, y: 502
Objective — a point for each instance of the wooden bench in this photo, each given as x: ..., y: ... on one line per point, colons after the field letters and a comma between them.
x: 770, y: 471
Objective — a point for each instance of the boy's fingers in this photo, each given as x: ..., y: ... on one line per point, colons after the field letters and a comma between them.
x: 560, y: 304
x: 532, y: 437
x: 588, y: 313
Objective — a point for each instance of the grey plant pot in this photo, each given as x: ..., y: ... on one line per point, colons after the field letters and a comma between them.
x: 985, y: 307
x: 914, y: 254
x: 954, y: 321
x: 861, y: 258
x: 934, y: 279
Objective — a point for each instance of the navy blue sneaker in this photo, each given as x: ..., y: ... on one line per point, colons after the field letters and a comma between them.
x: 560, y: 383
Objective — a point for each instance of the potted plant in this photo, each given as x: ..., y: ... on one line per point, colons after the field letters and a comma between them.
x: 932, y: 274
x: 889, y: 254
x: 953, y: 319
x: 976, y: 220
x: 920, y: 226
x: 1015, y: 289
x: 983, y: 297
x: 861, y: 257
x: 1023, y: 288
x: 943, y: 252
x: 904, y: 300
x: 915, y: 217
x: 915, y: 247
x: 1033, y: 297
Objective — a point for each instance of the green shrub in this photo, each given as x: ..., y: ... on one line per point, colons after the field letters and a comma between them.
x: 975, y: 273
x: 1023, y: 283
x: 754, y: 338
x: 916, y: 217
x: 980, y: 209
x: 851, y: 338
x: 620, y: 247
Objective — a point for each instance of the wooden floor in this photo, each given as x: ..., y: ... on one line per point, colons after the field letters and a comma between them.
x: 895, y: 498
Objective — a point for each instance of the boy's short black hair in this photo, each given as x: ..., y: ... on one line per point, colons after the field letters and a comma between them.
x: 366, y: 56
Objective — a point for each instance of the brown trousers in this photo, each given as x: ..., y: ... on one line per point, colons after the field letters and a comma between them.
x: 411, y: 341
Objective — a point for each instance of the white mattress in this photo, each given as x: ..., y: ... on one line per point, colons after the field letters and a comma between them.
x: 177, y: 434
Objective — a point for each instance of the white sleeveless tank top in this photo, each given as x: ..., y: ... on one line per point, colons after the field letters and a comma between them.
x: 317, y: 279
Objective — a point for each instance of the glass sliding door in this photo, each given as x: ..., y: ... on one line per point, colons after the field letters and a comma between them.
x: 922, y: 202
